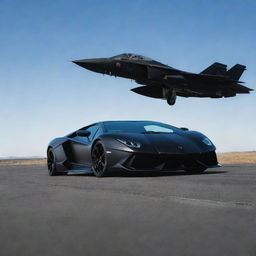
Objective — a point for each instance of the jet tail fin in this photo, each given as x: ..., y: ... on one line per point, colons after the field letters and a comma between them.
x: 215, y: 69
x: 236, y: 71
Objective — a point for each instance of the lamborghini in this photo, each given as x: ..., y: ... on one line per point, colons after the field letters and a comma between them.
x: 130, y: 146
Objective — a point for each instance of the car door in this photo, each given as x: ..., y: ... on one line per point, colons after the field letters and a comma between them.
x: 81, y: 147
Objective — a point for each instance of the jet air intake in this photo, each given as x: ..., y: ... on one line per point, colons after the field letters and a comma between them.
x: 178, y: 80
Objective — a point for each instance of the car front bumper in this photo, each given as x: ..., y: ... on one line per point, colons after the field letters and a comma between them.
x: 130, y: 161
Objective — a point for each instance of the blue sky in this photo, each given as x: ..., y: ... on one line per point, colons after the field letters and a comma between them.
x: 44, y: 95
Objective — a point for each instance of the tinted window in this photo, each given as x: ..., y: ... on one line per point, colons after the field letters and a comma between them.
x: 98, y: 133
x: 157, y: 128
x: 93, y: 129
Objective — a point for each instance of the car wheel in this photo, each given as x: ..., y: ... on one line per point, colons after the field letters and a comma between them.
x: 99, y: 159
x: 196, y: 170
x: 51, y: 164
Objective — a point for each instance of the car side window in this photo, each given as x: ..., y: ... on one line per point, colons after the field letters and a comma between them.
x: 98, y: 133
x: 93, y: 129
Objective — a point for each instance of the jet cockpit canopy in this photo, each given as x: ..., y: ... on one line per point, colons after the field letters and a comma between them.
x: 130, y: 56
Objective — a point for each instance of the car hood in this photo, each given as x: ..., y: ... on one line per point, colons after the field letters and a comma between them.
x: 187, y: 142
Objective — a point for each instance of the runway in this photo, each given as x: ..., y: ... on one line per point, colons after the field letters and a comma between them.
x: 158, y: 214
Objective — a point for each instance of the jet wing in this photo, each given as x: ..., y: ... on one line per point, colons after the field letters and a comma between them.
x: 240, y: 88
x: 215, y: 69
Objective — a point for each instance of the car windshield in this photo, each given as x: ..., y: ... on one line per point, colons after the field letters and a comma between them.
x: 138, y: 127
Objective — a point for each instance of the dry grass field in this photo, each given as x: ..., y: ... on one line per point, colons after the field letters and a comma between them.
x: 237, y: 158
x: 35, y: 161
x: 223, y: 158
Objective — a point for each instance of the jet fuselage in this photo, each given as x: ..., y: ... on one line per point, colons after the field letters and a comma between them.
x: 163, y: 81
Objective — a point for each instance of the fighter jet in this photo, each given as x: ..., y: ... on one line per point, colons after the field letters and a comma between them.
x: 165, y: 82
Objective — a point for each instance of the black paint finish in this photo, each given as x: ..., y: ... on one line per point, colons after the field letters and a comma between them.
x: 162, y: 150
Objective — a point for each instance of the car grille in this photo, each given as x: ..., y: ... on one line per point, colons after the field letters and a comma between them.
x: 165, y: 162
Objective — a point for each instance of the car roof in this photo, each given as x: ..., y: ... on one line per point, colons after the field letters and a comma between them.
x: 116, y: 121
x: 119, y: 121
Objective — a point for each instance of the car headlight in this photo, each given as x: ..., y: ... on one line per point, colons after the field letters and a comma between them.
x: 207, y: 142
x: 129, y: 143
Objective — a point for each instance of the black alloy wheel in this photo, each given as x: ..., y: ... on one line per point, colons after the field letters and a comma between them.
x: 99, y: 159
x: 51, y: 162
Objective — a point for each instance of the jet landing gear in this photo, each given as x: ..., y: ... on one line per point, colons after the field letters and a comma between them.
x: 171, y: 97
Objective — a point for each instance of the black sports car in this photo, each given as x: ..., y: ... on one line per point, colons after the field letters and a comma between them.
x: 110, y: 146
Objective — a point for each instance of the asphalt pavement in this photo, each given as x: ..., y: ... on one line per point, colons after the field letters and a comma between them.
x: 154, y: 214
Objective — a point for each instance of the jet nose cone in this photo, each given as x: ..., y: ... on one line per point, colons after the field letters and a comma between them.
x: 96, y: 65
x: 78, y: 62
x: 86, y: 63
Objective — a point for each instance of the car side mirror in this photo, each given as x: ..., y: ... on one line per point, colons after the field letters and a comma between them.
x: 184, y: 128
x: 83, y: 133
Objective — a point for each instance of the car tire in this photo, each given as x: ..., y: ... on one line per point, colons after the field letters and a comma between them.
x: 99, y: 159
x: 51, y: 163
